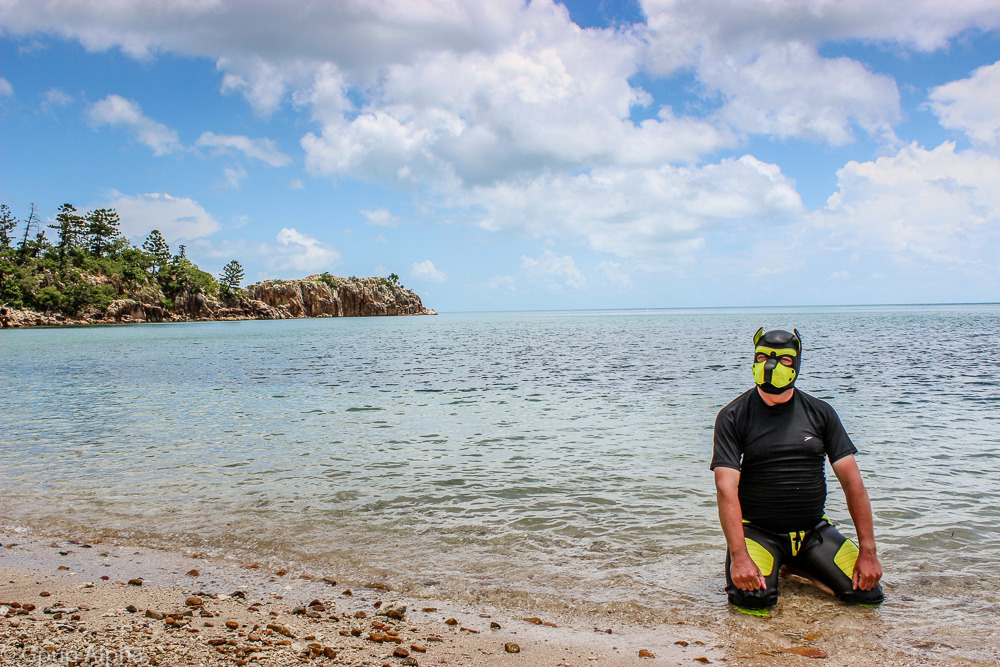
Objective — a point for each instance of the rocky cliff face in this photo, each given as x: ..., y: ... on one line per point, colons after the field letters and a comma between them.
x: 269, y: 300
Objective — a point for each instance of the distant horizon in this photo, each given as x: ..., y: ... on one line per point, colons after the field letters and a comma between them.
x: 504, y: 154
x: 648, y: 308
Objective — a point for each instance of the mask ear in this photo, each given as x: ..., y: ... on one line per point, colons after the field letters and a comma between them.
x: 756, y: 336
x: 799, y: 336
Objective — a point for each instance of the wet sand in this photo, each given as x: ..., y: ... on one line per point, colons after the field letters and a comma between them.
x: 113, y: 602
x: 73, y: 603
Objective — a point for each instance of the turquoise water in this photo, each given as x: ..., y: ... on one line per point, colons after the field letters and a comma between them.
x: 554, y: 460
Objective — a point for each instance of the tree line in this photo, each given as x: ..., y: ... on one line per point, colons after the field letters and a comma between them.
x: 88, y: 262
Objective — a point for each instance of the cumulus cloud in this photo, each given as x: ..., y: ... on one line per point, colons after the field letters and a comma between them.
x: 935, y: 208
x: 258, y: 149
x: 788, y: 90
x: 969, y: 105
x: 682, y: 29
x: 116, y: 111
x: 558, y: 97
x: 426, y: 270
x: 295, y: 251
x: 553, y: 271
x: 6, y: 90
x: 761, y: 59
x: 642, y: 212
x: 175, y: 217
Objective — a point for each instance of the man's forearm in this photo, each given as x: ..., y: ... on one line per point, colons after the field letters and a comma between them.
x: 858, y: 503
x: 860, y: 507
x: 731, y: 518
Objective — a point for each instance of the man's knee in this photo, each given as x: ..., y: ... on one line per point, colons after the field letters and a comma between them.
x: 873, y: 597
x: 758, y: 599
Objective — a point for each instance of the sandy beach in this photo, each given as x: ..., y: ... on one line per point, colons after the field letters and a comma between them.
x: 73, y: 603
x: 113, y: 602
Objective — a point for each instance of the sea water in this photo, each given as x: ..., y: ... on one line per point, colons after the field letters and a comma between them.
x: 552, y: 460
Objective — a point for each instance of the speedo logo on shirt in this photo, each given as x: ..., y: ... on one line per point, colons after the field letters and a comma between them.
x: 808, y: 438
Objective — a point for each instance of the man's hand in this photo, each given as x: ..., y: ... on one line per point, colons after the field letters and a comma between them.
x: 867, y: 571
x: 745, y: 573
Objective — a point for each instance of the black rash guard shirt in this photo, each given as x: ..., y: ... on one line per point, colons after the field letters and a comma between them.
x: 780, y: 452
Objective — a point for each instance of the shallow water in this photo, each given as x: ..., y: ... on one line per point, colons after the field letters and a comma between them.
x: 555, y: 460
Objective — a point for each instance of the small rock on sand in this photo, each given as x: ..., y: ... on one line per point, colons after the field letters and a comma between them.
x: 394, y: 610
x: 806, y: 651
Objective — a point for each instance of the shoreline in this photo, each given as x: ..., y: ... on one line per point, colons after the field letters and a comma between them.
x: 116, y: 601
x: 149, y: 606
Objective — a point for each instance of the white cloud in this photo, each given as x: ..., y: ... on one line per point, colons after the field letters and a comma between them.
x: 296, y: 184
x: 642, y: 212
x: 117, y: 111
x: 552, y: 271
x: 300, y: 252
x: 426, y: 270
x: 262, y: 83
x: 175, y: 217
x: 929, y: 209
x: 55, y: 98
x: 612, y: 272
x: 6, y: 90
x: 380, y: 217
x: 259, y: 149
x: 682, y: 29
x: 234, y: 175
x: 788, y: 90
x: 970, y: 105
x: 761, y: 59
x: 381, y: 239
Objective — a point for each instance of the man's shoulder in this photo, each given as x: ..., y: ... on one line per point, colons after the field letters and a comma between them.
x: 812, y: 402
x: 739, y: 403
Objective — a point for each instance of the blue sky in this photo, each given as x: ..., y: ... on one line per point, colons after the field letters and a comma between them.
x: 505, y: 155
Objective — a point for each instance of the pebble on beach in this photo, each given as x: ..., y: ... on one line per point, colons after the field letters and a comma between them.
x: 806, y: 651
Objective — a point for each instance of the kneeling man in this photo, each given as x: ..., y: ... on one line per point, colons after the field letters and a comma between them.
x: 771, y: 445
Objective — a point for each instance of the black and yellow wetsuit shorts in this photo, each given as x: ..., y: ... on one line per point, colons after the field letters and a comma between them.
x: 821, y: 552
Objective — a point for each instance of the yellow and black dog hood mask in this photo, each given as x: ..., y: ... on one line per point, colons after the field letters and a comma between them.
x: 771, y: 375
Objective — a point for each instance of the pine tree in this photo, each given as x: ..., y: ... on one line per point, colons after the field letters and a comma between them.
x: 70, y: 228
x: 156, y: 246
x: 232, y: 276
x: 7, y: 224
x: 102, y: 228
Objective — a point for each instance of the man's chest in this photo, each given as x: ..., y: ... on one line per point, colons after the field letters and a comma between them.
x: 789, y: 437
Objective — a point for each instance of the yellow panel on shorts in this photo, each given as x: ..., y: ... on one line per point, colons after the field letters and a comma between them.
x: 761, y: 557
x: 846, y: 557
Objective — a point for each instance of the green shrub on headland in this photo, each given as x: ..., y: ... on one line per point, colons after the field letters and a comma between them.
x: 88, y: 264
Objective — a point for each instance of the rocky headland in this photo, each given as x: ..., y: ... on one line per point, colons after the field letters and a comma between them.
x: 314, y: 296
